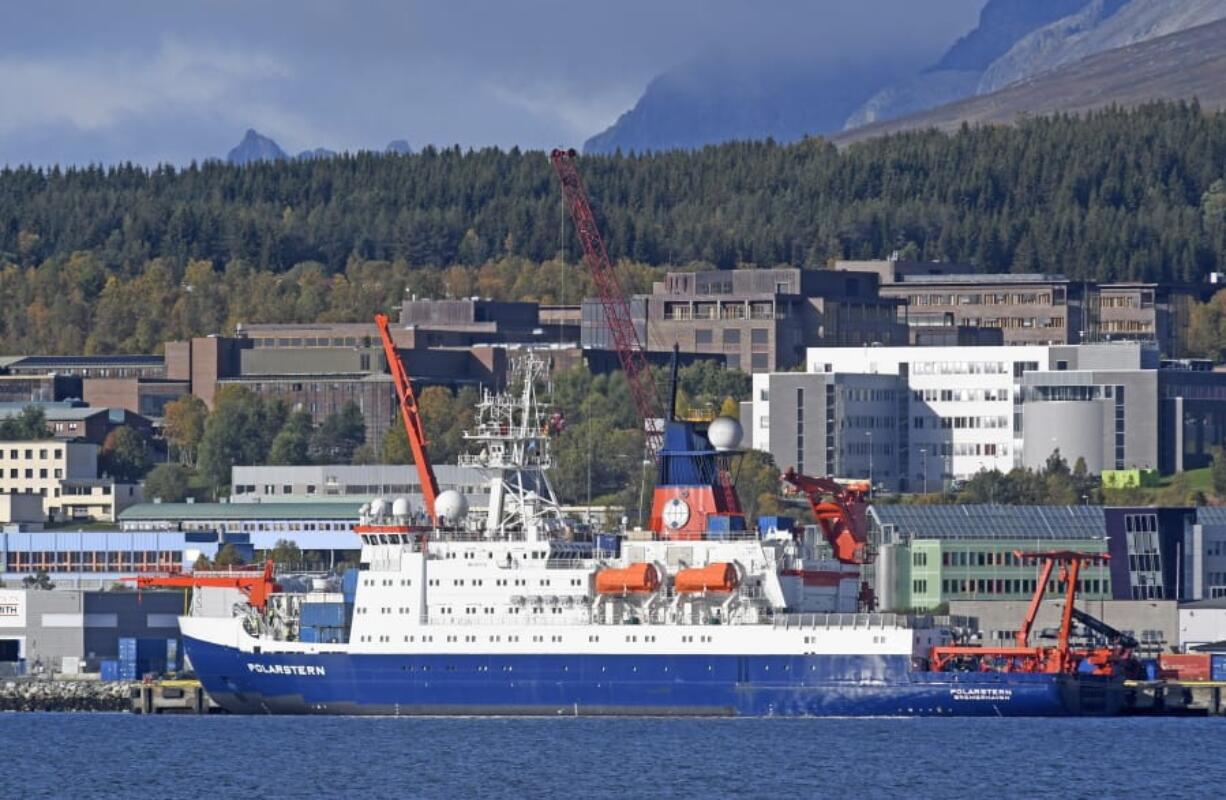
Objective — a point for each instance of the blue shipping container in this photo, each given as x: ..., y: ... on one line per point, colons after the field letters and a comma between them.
x: 323, y: 614
x: 719, y: 524
x: 108, y: 670
x: 1217, y: 667
x: 776, y: 523
x: 349, y: 584
x: 609, y: 543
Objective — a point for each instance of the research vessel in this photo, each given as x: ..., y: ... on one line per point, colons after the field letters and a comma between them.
x: 510, y: 610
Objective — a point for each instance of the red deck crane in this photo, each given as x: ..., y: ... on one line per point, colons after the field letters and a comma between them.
x: 840, y: 510
x: 616, y: 307
x: 1062, y: 658
x: 255, y: 586
x: 407, y: 400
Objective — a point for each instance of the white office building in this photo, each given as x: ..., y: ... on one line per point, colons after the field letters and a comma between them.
x: 917, y: 418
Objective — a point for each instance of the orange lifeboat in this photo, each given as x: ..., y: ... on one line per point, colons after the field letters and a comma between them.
x: 637, y: 578
x: 717, y: 577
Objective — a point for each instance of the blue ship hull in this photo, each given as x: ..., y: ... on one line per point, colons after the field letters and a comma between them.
x: 718, y: 685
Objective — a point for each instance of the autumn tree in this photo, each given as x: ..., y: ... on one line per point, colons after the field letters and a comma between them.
x: 28, y: 424
x: 183, y: 426
x: 169, y: 483
x: 124, y: 455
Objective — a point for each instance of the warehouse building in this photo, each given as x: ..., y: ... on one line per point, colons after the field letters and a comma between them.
x: 97, y: 559
x: 70, y: 631
x: 323, y: 527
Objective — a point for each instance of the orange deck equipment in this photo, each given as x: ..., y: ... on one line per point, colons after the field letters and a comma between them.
x: 640, y: 578
x: 718, y: 577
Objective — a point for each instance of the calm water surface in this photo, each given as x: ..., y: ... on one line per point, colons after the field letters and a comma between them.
x: 117, y: 755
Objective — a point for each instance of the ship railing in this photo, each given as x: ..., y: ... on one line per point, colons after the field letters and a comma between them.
x: 856, y: 621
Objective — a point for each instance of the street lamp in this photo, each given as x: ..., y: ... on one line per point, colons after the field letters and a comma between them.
x: 924, y: 466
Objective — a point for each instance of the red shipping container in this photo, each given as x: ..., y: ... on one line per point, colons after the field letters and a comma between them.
x: 1184, y: 666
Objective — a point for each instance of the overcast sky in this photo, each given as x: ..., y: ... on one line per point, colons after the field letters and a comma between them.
x: 171, y: 80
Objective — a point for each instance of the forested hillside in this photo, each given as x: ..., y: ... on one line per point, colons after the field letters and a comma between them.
x: 116, y: 259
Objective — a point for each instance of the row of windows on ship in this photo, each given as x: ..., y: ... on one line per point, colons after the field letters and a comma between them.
x: 411, y: 538
x: 448, y: 610
x: 539, y: 639
x: 470, y: 582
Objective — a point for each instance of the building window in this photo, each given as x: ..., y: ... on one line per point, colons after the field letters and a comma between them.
x: 732, y: 336
x: 702, y: 336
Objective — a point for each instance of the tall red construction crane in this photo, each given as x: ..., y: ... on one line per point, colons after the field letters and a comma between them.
x: 407, y: 400
x: 840, y: 510
x: 630, y: 351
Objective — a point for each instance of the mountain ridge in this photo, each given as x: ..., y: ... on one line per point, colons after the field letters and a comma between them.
x: 1186, y: 65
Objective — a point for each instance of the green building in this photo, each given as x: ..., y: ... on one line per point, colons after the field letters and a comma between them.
x: 929, y: 555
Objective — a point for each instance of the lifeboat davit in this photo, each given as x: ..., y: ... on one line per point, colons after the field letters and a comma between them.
x: 717, y: 577
x: 640, y: 578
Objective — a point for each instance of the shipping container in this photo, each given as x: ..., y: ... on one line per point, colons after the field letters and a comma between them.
x: 1217, y: 667
x: 108, y: 670
x: 324, y: 614
x: 767, y: 524
x: 609, y: 543
x: 1184, y: 666
x: 349, y: 585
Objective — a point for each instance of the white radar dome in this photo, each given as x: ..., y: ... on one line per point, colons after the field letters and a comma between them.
x: 451, y: 505
x: 725, y: 433
x: 400, y: 507
x: 378, y: 507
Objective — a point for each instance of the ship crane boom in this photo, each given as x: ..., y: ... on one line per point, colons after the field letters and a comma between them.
x: 409, y: 415
x: 256, y: 587
x: 841, y: 511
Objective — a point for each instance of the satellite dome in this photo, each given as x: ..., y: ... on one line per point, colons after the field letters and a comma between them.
x: 451, y: 505
x: 378, y: 507
x: 365, y: 509
x: 400, y: 507
x: 724, y: 433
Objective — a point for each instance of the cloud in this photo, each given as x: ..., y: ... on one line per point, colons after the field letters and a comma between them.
x: 574, y: 112
x: 102, y: 91
x: 148, y: 79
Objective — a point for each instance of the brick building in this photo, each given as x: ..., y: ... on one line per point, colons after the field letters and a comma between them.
x: 758, y: 320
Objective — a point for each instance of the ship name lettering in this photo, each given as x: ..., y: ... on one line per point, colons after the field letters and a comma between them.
x: 286, y: 669
x: 981, y: 694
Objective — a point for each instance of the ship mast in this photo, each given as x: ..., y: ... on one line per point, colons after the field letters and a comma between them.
x: 511, y: 439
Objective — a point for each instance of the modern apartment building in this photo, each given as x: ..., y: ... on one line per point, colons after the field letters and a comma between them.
x: 757, y: 320
x: 65, y: 475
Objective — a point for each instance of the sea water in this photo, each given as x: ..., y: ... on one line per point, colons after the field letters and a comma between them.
x: 118, y: 755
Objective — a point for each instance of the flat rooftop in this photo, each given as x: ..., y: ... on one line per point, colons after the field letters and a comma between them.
x: 224, y: 512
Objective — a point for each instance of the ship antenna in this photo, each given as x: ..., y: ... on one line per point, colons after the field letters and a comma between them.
x: 672, y: 389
